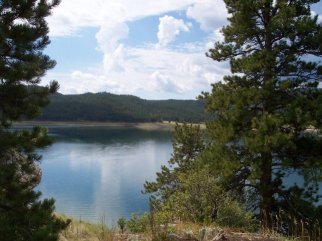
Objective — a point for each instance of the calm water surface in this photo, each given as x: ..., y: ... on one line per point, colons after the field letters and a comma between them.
x: 97, y: 173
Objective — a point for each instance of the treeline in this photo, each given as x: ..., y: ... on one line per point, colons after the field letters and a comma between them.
x: 121, y: 108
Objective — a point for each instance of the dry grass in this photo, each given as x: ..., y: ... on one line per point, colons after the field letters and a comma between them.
x: 83, y: 231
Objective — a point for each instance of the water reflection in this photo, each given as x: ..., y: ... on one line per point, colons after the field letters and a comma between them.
x: 105, y: 135
x: 99, y: 172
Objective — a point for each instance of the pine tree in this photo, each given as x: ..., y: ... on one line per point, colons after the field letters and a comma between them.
x: 187, y: 143
x: 23, y: 36
x: 187, y: 190
x: 268, y: 113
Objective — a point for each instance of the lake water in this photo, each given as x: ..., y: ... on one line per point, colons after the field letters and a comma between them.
x: 97, y: 173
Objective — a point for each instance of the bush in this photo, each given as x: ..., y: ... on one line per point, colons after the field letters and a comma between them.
x: 121, y: 223
x: 232, y: 214
x: 138, y: 224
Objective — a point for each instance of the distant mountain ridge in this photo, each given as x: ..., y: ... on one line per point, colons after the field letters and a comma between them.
x: 121, y: 108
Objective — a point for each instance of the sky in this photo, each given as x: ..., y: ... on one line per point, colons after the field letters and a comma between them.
x: 154, y: 49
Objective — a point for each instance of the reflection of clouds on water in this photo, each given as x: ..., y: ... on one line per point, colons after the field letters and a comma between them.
x: 123, y: 174
x: 96, y: 180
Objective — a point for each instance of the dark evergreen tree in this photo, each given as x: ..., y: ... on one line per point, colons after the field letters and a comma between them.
x: 186, y: 189
x: 187, y: 143
x: 268, y: 114
x: 121, y: 108
x: 23, y: 36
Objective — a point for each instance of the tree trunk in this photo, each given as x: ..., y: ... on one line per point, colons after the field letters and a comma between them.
x: 266, y: 192
x: 265, y: 186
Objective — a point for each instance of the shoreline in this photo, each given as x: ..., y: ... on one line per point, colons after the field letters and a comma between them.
x: 136, y: 125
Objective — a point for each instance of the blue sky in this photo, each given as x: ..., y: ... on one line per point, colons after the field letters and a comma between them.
x: 154, y: 49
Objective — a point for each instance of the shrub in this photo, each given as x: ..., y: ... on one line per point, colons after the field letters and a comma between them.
x: 121, y: 223
x: 232, y: 214
x: 138, y: 224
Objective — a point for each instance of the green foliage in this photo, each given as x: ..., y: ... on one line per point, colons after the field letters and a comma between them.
x: 266, y: 126
x: 232, y: 214
x: 138, y: 224
x: 187, y: 143
x: 185, y: 190
x: 23, y: 36
x: 196, y: 197
x: 124, y: 108
x: 195, y: 200
x: 267, y: 114
x: 121, y: 223
x: 166, y: 200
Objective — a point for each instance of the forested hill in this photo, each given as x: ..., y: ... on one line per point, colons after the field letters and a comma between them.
x: 121, y: 108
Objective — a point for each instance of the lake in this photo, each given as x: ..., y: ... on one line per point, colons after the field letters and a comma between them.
x: 97, y: 173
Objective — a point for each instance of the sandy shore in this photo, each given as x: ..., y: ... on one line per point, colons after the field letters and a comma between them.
x: 143, y: 125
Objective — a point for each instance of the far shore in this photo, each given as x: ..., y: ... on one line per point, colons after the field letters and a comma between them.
x: 165, y: 125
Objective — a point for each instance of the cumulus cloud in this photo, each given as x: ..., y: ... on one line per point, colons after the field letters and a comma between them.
x: 170, y: 28
x: 314, y: 14
x: 175, y: 74
x: 72, y: 15
x: 150, y: 69
x: 190, y: 66
x: 163, y: 82
x: 210, y: 14
x: 108, y: 39
x: 113, y: 32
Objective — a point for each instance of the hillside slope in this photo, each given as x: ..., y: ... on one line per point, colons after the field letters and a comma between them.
x: 121, y: 108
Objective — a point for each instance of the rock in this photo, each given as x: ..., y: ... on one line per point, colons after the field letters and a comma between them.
x: 201, y: 235
x: 132, y: 237
x: 173, y: 237
x: 219, y: 237
x: 136, y: 237
x: 211, y: 234
x: 62, y: 238
x: 182, y: 236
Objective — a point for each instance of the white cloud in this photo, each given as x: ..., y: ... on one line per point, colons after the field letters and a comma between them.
x: 169, y: 29
x: 71, y: 15
x: 313, y: 14
x: 113, y: 32
x: 162, y: 82
x: 154, y: 71
x: 173, y: 75
x: 108, y: 39
x: 115, y: 61
x: 210, y: 14
x: 190, y: 67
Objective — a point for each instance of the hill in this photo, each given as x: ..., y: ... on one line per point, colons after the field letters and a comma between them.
x: 121, y: 108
